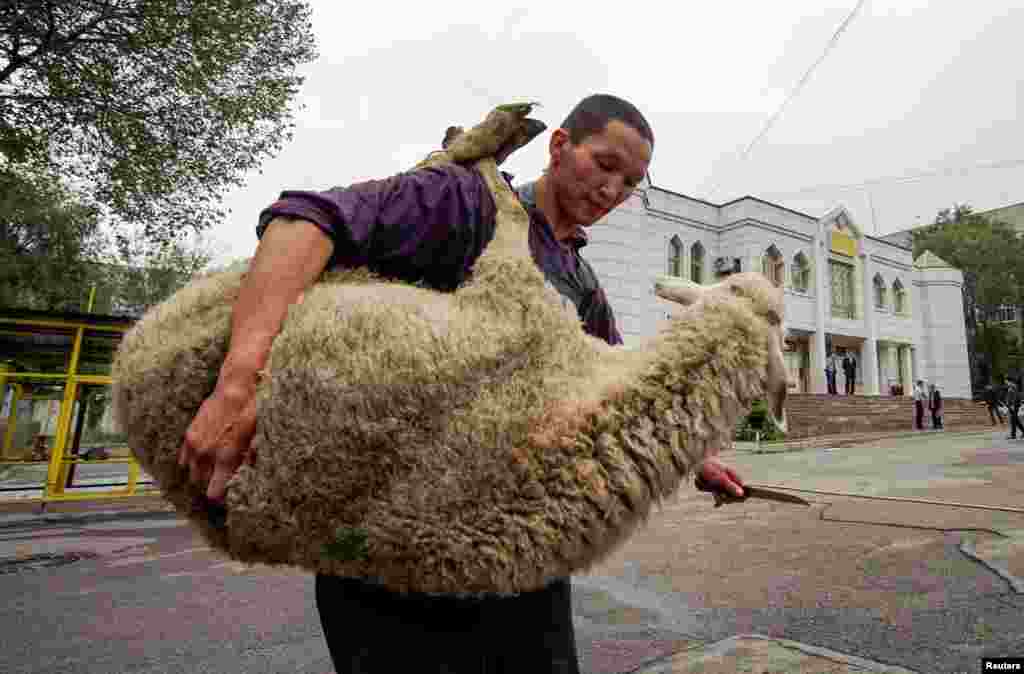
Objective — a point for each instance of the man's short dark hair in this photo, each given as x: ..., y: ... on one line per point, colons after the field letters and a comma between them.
x: 592, y: 114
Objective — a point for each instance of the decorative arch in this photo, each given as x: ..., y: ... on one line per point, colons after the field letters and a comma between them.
x: 881, y: 292
x: 697, y: 262
x: 676, y: 251
x: 839, y: 219
x: 773, y: 265
x: 800, y: 273
x: 899, y: 297
x: 844, y: 235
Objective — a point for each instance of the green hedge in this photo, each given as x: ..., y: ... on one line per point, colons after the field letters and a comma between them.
x: 758, y: 420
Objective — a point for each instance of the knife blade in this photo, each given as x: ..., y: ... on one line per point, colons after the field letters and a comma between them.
x: 750, y: 491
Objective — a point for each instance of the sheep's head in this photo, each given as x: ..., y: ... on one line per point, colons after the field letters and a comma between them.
x: 766, y: 302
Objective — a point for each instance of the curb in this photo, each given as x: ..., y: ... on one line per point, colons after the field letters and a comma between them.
x: 22, y: 521
x: 845, y: 441
x: 1016, y: 584
x: 724, y: 648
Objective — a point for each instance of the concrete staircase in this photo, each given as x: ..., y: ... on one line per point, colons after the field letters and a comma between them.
x: 811, y: 415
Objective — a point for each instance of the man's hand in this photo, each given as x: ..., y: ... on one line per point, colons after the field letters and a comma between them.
x: 289, y: 258
x: 219, y: 438
x: 718, y: 477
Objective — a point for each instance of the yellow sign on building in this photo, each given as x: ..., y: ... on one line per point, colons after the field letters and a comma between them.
x: 843, y: 244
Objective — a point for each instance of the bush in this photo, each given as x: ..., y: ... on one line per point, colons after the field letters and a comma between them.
x: 758, y: 421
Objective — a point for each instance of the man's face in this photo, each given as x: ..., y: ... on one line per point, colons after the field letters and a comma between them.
x: 592, y: 178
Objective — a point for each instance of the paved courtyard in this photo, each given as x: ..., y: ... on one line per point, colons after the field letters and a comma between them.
x: 920, y: 587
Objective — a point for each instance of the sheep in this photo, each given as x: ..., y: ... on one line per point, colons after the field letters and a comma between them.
x: 466, y: 443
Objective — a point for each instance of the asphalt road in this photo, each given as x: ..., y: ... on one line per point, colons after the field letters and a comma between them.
x: 891, y: 584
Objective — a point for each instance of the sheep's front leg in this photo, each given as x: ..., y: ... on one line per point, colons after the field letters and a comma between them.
x: 511, y: 222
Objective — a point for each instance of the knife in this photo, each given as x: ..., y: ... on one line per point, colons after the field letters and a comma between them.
x: 749, y: 491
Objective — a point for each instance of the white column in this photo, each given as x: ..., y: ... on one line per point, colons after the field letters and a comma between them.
x: 906, y: 375
x: 869, y: 351
x: 883, y: 368
x: 820, y: 261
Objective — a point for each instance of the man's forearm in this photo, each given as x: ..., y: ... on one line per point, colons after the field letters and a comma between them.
x: 290, y: 256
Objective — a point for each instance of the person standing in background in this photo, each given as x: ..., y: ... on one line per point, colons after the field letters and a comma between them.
x: 993, y: 402
x: 935, y: 405
x: 830, y: 372
x: 849, y: 372
x: 919, y: 396
x: 1013, y: 404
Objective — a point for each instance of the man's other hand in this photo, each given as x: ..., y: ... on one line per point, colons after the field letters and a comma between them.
x: 719, y: 477
x: 219, y: 438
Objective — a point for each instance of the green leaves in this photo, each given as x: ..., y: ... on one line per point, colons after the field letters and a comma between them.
x: 159, y: 106
x: 989, y: 251
x: 54, y: 250
x: 45, y: 234
x: 991, y: 256
x: 350, y: 544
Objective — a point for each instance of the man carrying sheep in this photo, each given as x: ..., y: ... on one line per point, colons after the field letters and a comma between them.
x: 428, y: 227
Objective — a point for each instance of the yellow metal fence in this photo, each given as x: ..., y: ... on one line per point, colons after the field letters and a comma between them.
x: 27, y: 337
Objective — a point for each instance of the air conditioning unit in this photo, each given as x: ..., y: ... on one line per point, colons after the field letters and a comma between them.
x: 727, y: 265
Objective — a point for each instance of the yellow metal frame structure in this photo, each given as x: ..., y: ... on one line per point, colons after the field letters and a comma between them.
x: 59, y: 463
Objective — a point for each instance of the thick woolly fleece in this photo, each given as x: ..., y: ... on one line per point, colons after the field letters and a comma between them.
x: 467, y: 443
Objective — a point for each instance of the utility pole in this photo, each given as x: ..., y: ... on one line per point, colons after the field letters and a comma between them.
x: 871, y: 204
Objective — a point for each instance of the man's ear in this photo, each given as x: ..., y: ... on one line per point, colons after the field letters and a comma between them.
x: 558, y: 144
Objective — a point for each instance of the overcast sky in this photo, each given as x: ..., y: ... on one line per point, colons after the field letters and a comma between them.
x: 911, y: 87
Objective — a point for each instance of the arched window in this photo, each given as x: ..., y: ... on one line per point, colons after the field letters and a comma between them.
x: 880, y: 292
x: 697, y: 263
x: 899, y: 296
x: 773, y: 266
x: 800, y: 275
x: 675, y: 257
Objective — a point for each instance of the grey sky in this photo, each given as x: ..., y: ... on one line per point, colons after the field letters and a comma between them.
x: 913, y: 86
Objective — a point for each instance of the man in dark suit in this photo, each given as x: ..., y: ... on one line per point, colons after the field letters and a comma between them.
x: 993, y: 400
x: 935, y: 405
x: 849, y: 372
x: 1013, y: 404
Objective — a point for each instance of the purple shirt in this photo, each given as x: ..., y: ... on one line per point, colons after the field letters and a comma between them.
x: 429, y: 226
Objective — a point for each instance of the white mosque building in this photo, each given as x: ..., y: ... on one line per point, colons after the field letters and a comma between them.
x: 903, y: 319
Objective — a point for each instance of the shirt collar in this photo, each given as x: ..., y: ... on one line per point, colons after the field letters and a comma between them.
x: 527, y: 193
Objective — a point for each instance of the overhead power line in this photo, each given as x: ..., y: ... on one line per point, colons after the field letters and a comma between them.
x: 799, y: 86
x: 906, y: 178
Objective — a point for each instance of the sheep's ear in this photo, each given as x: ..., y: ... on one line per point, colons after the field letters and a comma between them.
x: 678, y: 290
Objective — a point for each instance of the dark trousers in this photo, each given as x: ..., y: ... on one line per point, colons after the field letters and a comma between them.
x: 830, y: 379
x: 370, y: 630
x: 851, y: 382
x: 919, y: 414
x: 936, y: 418
x: 1015, y: 423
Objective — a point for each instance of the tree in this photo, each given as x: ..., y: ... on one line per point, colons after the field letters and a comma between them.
x: 991, y: 256
x: 151, y: 273
x: 155, y: 107
x: 47, y: 239
x: 54, y: 251
x: 996, y: 343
